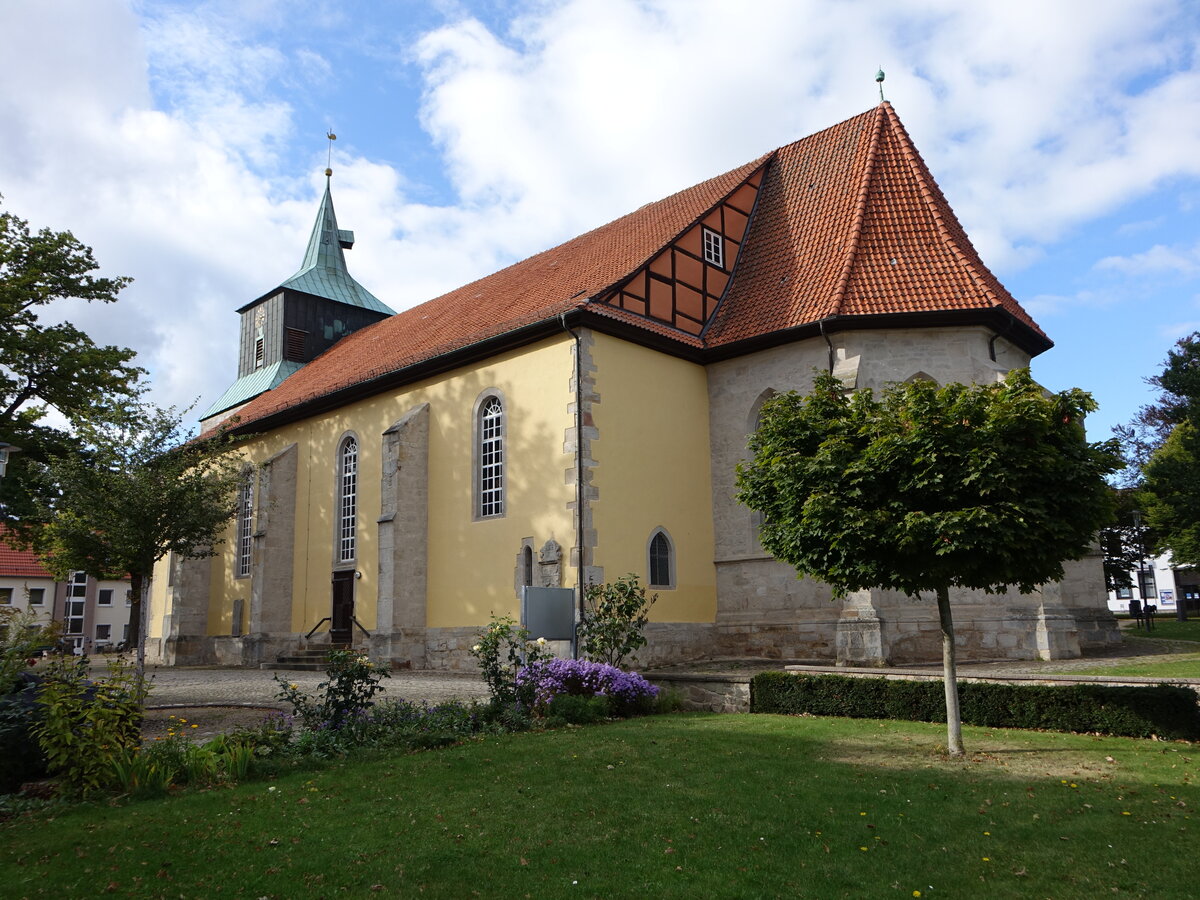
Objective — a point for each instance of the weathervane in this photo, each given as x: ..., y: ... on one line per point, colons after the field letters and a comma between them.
x: 329, y: 155
x: 879, y: 81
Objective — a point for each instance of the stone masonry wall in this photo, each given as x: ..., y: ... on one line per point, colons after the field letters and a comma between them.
x: 764, y: 610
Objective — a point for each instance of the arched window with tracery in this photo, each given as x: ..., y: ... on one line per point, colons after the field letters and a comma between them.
x: 490, y: 457
x: 347, y: 506
x: 661, y: 560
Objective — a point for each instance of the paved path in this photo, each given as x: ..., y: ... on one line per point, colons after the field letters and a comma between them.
x: 204, y: 685
x: 193, y: 686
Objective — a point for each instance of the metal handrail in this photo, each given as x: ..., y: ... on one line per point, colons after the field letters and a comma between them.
x: 329, y: 619
x: 318, y: 625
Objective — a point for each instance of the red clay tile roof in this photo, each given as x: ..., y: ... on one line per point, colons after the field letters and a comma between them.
x: 20, y: 563
x: 539, y: 288
x: 849, y: 223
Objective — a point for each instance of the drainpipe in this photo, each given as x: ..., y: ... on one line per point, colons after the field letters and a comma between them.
x: 579, y: 565
x: 999, y: 334
x: 821, y: 326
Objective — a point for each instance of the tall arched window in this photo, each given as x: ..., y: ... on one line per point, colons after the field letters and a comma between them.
x: 661, y: 560
x: 245, y: 523
x: 347, y: 499
x: 490, y: 428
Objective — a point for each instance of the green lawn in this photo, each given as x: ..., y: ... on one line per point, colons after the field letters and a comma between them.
x: 671, y: 806
x: 1166, y: 628
x: 1186, y: 666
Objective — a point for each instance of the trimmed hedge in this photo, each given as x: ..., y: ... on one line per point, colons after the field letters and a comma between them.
x: 1162, y: 710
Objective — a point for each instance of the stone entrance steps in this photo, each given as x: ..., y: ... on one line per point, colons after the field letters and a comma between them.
x: 307, y: 660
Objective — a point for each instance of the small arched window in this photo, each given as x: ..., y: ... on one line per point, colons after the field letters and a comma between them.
x: 245, y: 523
x: 490, y: 429
x: 661, y: 560
x: 347, y: 505
x: 527, y: 566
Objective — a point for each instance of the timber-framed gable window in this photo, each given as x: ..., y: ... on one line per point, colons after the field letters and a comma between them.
x: 347, y: 505
x: 245, y: 523
x: 661, y: 560
x: 489, y: 457
x: 714, y: 248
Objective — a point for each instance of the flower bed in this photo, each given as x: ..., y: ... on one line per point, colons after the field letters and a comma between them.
x: 626, y: 692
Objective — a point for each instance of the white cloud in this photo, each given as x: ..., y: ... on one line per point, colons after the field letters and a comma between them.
x: 156, y: 132
x: 1159, y: 259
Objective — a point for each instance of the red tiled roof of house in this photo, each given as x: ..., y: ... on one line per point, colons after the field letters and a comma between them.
x: 20, y: 563
x: 848, y: 223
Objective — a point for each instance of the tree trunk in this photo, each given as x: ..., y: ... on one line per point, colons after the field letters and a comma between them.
x: 950, y: 675
x: 137, y: 617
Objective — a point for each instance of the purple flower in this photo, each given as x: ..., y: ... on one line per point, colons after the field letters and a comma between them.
x: 582, y: 678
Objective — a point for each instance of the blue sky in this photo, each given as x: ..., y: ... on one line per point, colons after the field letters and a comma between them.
x: 185, y: 141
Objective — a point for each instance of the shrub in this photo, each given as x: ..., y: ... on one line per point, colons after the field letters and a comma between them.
x: 503, y: 647
x: 85, y: 726
x: 1162, y: 710
x: 341, y: 700
x: 573, y: 709
x: 271, y: 737
x: 23, y: 758
x: 614, y: 616
x: 402, y: 723
x: 22, y: 638
x: 627, y: 692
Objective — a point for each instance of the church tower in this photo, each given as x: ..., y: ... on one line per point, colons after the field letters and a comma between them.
x: 300, y: 319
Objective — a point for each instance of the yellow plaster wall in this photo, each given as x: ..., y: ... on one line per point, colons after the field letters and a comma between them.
x: 471, y: 562
x: 653, y: 471
x: 159, y: 599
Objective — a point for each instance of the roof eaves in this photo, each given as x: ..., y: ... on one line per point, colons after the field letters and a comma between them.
x: 422, y: 368
x: 997, y: 318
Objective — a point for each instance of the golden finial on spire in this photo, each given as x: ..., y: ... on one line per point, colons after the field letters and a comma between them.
x: 329, y: 155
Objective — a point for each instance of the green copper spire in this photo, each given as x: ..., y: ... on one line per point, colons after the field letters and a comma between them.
x: 324, y: 271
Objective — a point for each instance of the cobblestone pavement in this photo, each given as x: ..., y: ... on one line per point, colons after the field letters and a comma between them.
x: 204, y: 686
x: 200, y: 686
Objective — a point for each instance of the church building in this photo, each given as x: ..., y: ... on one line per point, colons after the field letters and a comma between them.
x: 579, y: 415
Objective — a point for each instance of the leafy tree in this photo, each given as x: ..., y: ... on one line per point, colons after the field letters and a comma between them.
x: 1127, y: 541
x: 927, y: 489
x: 1178, y: 401
x: 47, y: 367
x: 140, y: 490
x: 1171, y: 492
x: 1164, y: 442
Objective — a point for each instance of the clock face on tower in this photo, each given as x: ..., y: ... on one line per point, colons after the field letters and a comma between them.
x: 260, y: 316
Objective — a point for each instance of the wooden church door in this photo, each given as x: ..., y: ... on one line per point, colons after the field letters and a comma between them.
x: 342, y: 618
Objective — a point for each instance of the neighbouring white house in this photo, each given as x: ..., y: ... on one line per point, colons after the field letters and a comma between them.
x: 94, y: 613
x: 1161, y: 582
x: 25, y: 583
